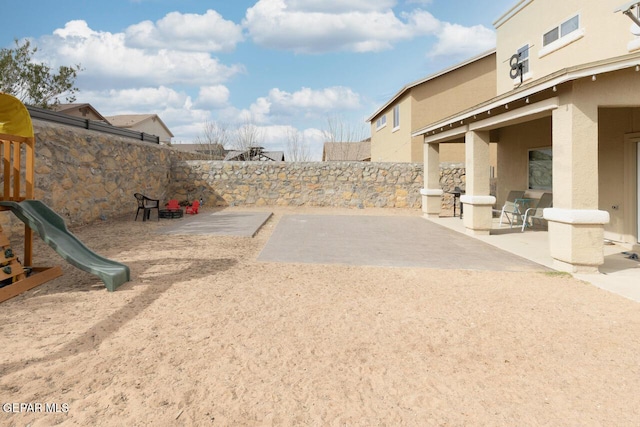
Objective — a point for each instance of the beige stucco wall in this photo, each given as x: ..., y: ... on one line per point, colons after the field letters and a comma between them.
x: 153, y: 127
x: 452, y: 92
x: 512, y: 154
x: 430, y: 102
x: 606, y: 35
x: 393, y: 145
x: 617, y: 175
x: 618, y: 130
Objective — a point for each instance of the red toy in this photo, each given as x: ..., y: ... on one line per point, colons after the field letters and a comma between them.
x: 193, y: 209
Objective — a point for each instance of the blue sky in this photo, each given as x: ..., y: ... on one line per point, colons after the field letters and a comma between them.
x: 284, y: 65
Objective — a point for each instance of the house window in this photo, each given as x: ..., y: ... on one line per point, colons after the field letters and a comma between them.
x: 567, y: 27
x: 523, y: 54
x: 396, y: 117
x: 540, y: 169
x: 381, y: 122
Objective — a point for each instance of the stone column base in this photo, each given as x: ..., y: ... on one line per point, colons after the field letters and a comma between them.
x: 478, y: 214
x: 431, y: 202
x: 576, y: 238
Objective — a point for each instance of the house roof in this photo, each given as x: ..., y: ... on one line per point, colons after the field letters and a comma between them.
x: 347, y: 151
x: 548, y: 82
x: 64, y: 108
x: 410, y: 86
x: 131, y: 120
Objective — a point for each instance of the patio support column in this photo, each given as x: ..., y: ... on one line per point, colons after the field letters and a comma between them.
x: 576, y: 226
x: 432, y: 192
x: 478, y: 203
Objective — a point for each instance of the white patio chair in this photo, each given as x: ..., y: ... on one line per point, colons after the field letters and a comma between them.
x: 536, y: 213
x: 510, y: 207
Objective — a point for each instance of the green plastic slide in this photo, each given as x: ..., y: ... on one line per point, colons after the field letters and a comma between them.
x: 51, y: 228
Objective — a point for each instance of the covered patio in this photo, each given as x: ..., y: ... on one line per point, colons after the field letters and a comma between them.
x: 618, y: 273
x: 587, y: 118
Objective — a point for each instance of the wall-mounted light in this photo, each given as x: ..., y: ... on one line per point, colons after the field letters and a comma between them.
x: 593, y: 78
x: 555, y: 89
x: 526, y: 101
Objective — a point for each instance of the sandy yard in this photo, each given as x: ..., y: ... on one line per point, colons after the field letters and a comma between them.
x: 206, y: 335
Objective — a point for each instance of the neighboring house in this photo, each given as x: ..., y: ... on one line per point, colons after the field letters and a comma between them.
x: 214, y: 151
x: 147, y: 123
x: 347, y: 151
x: 85, y: 111
x: 255, y: 154
x: 566, y: 120
x: 426, y: 101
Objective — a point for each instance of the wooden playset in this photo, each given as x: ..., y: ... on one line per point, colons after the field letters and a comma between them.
x: 17, y: 145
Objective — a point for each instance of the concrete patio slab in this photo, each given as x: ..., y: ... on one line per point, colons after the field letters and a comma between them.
x: 242, y: 224
x: 618, y: 274
x: 390, y: 241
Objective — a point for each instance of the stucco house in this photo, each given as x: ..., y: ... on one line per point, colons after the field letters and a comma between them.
x: 426, y: 101
x: 568, y: 88
x: 147, y: 123
x: 347, y: 151
x: 85, y: 111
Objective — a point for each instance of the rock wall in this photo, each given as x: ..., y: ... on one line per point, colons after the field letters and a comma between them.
x: 452, y: 175
x: 339, y: 184
x: 86, y: 176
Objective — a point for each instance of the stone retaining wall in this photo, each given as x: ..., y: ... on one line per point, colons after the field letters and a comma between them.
x: 339, y: 184
x: 86, y: 176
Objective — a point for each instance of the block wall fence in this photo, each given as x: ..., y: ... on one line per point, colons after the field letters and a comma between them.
x: 87, y: 176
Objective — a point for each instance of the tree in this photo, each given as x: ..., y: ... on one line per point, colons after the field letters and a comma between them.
x: 35, y: 83
x: 297, y: 149
x: 215, y: 136
x: 346, y: 139
x: 247, y: 135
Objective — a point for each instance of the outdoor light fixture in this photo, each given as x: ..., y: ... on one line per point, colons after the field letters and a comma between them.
x: 593, y: 78
x: 526, y: 101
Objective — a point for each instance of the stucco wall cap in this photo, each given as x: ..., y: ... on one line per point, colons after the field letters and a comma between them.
x: 431, y: 192
x: 576, y: 216
x: 478, y: 200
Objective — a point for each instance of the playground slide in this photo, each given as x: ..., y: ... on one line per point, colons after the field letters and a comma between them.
x: 51, y: 228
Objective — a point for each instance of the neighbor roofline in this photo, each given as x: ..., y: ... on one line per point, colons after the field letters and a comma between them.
x: 429, y: 77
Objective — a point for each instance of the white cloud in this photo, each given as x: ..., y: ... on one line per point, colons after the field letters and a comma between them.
x: 109, y: 63
x: 281, y: 105
x: 188, y: 32
x: 339, y: 6
x: 212, y: 97
x: 455, y: 39
x: 149, y: 99
x: 356, y: 26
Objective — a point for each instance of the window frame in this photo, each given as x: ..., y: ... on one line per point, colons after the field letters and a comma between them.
x: 550, y: 167
x: 563, y: 39
x: 381, y: 122
x: 396, y: 117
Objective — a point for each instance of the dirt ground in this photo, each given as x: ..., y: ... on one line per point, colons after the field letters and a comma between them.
x: 206, y: 335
